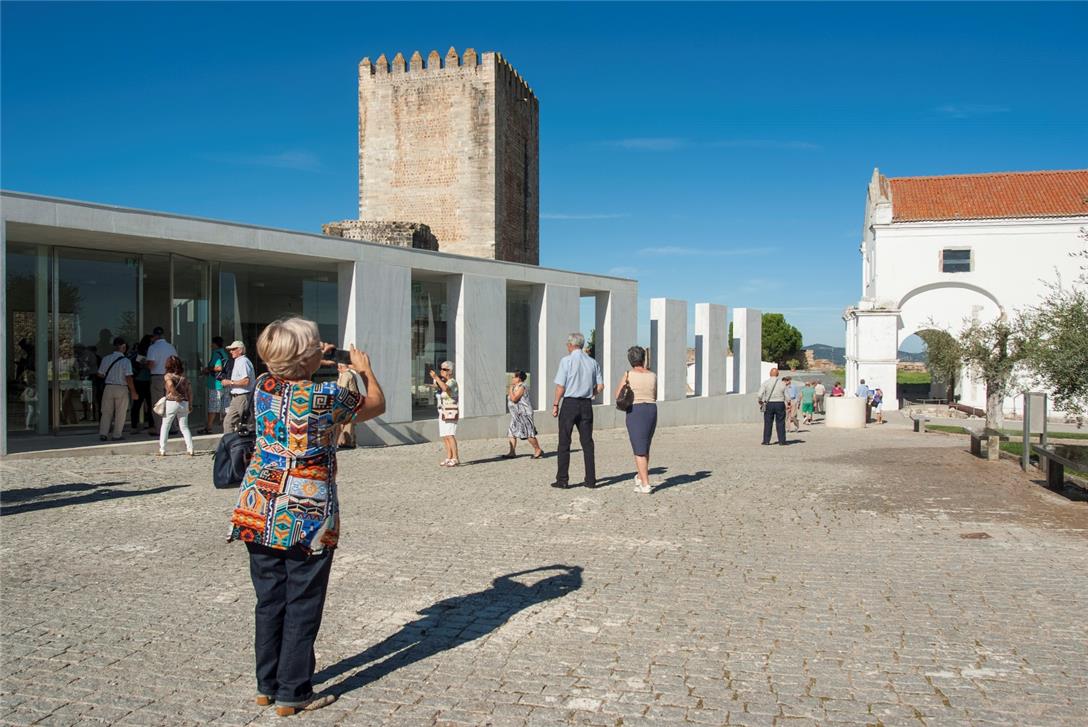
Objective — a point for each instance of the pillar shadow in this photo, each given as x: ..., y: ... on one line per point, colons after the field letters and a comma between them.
x: 450, y: 623
x: 677, y: 480
x: 94, y: 496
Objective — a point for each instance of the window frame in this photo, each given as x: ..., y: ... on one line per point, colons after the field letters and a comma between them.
x: 941, y: 260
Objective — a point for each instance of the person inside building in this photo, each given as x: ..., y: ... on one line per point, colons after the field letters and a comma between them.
x: 290, y: 565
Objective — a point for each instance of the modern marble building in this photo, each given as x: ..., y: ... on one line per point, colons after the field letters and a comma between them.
x: 77, y: 274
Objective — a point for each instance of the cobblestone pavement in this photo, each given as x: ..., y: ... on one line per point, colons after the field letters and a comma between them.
x: 826, y: 582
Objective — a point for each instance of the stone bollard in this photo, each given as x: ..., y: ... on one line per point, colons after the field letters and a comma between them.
x: 844, y: 412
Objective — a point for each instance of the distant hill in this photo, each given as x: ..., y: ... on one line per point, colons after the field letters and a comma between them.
x: 837, y: 354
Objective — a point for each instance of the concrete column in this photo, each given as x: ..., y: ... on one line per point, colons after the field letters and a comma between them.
x: 711, y: 349
x: 747, y: 349
x: 617, y: 330
x: 877, y: 353
x: 555, y: 311
x: 375, y: 315
x: 478, y: 316
x: 4, y: 337
x: 669, y: 347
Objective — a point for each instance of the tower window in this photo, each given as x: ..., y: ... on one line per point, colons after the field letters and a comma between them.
x: 955, y: 260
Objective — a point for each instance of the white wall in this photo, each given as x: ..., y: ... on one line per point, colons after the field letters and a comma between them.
x: 711, y: 350
x: 747, y: 349
x: 669, y: 347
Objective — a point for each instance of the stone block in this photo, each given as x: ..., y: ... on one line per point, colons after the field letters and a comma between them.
x: 711, y: 349
x: 669, y: 347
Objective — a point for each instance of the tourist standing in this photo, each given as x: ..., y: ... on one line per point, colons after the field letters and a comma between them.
x: 158, y: 353
x: 449, y: 411
x: 577, y: 381
x: 793, y: 403
x: 818, y: 396
x: 240, y: 385
x: 808, y: 402
x: 215, y: 372
x: 772, y: 399
x: 642, y: 417
x: 118, y: 390
x: 290, y: 565
x: 522, y: 425
x: 878, y: 405
x: 863, y: 391
x: 141, y: 379
x: 179, y: 402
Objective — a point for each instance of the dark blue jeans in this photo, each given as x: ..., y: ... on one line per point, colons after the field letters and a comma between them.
x: 774, y: 411
x: 290, y: 590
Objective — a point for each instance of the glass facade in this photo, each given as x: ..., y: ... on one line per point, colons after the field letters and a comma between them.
x: 65, y: 305
x: 430, y: 346
x: 519, y: 330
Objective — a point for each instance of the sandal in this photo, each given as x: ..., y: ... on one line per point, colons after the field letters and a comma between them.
x: 539, y: 454
x: 509, y: 455
x: 445, y: 463
x: 313, y: 703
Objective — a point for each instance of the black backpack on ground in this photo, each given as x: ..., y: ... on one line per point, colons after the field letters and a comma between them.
x: 232, y: 459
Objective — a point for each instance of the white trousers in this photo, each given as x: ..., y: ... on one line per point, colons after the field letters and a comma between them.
x: 115, y: 403
x: 174, y: 410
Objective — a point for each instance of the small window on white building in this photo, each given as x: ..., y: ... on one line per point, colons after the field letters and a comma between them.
x: 955, y: 261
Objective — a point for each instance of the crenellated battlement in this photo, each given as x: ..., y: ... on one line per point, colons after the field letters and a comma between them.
x: 382, y: 69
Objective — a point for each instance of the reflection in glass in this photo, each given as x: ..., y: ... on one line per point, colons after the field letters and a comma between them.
x: 429, y: 341
x: 26, y: 294
x: 98, y: 296
x: 518, y: 331
x: 190, y: 324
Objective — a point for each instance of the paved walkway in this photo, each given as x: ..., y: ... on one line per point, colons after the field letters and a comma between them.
x: 838, y: 580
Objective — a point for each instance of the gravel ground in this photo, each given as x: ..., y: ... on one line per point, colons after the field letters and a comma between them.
x: 855, y: 577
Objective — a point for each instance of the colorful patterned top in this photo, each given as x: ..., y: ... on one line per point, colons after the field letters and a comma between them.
x: 288, y: 496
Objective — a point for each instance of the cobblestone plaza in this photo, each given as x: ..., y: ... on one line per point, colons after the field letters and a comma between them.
x: 867, y: 577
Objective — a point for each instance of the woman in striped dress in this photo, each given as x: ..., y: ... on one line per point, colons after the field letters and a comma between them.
x: 521, y: 417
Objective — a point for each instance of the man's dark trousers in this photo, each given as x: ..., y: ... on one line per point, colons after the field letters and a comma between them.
x: 774, y: 411
x: 576, y: 413
x: 290, y: 587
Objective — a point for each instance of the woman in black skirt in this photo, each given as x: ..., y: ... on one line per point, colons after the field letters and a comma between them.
x: 642, y: 419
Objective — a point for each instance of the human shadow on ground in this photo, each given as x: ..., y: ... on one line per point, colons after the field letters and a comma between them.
x: 626, y: 477
x: 30, y: 493
x: 450, y: 623
x: 795, y: 441
x: 504, y: 458
x: 94, y: 496
x: 677, y: 480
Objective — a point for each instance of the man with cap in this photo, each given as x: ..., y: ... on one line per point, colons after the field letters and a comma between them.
x: 158, y: 354
x: 240, y: 384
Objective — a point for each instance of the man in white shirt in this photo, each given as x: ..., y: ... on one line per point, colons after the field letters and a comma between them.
x: 157, y: 355
x: 240, y: 384
x: 119, y: 391
x: 818, y: 396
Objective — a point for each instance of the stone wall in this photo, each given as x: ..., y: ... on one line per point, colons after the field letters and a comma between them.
x: 399, y: 234
x: 451, y: 143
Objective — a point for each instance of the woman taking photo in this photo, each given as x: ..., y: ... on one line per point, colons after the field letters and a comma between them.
x: 448, y: 411
x: 522, y: 425
x: 642, y: 418
x: 288, y: 513
x: 179, y: 402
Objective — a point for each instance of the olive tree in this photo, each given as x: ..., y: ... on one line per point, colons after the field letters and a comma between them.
x: 992, y: 351
x: 943, y: 358
x: 1056, y: 341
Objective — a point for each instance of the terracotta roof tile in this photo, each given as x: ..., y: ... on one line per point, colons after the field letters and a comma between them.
x: 990, y: 196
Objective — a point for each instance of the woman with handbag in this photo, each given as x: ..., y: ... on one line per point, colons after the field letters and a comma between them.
x: 177, y: 402
x: 448, y: 411
x: 637, y: 395
x: 522, y: 425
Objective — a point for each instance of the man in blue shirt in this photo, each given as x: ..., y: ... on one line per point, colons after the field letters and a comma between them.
x: 863, y: 391
x: 578, y: 380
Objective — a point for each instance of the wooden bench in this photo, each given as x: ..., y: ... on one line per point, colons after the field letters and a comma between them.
x: 920, y: 421
x: 993, y: 439
x: 1054, y: 458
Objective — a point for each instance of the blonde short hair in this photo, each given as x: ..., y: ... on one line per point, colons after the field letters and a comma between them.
x: 286, y: 345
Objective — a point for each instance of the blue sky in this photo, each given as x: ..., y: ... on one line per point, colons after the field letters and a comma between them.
x: 716, y: 152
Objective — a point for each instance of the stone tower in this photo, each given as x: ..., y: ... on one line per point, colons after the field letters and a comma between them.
x: 453, y: 144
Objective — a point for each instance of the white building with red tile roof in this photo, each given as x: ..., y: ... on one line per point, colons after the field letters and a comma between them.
x: 937, y: 251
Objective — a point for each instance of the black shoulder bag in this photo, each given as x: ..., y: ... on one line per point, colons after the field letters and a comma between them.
x: 626, y: 399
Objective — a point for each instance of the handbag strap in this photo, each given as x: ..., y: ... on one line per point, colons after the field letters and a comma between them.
x: 110, y: 368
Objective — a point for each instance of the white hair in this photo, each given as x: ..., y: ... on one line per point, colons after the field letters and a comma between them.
x: 446, y: 365
x: 576, y: 339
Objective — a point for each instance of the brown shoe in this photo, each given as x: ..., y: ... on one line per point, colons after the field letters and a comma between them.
x: 315, y: 702
x: 263, y: 700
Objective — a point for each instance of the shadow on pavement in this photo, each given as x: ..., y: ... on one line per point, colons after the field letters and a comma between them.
x: 677, y: 480
x: 94, y: 496
x: 30, y: 493
x: 503, y: 458
x: 626, y: 477
x: 451, y: 622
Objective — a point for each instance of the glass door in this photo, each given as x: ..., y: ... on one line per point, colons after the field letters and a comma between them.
x: 190, y: 327
x: 96, y: 298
